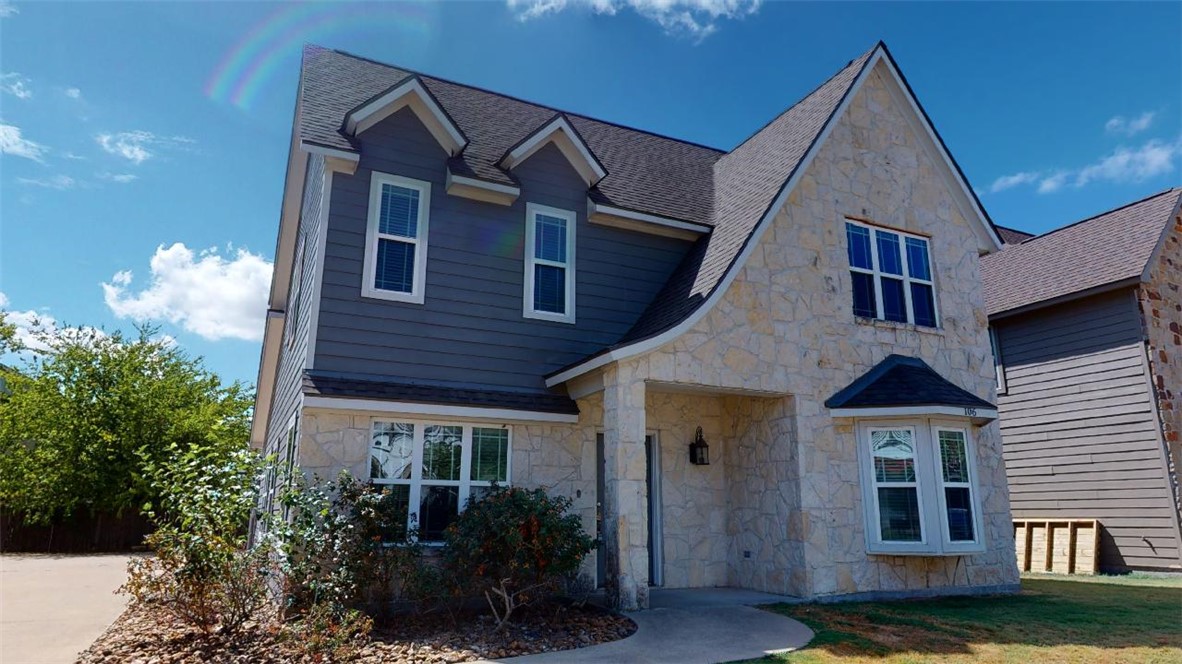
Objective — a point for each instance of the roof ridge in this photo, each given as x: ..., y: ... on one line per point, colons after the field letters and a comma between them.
x: 1016, y: 230
x: 1103, y: 214
x: 414, y: 72
x: 805, y: 97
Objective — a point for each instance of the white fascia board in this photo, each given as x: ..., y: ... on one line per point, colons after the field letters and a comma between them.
x: 594, y: 208
x: 946, y: 158
x: 441, y: 126
x: 654, y: 342
x: 438, y: 410
x: 984, y: 414
x: 329, y: 152
x: 480, y: 190
x: 546, y: 134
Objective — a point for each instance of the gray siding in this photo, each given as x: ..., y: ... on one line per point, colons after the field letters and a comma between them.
x: 470, y: 330
x: 1079, y: 429
x: 293, y: 351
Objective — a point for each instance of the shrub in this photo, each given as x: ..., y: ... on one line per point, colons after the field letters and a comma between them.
x: 346, y: 545
x: 323, y: 634
x: 515, y: 545
x: 202, y: 572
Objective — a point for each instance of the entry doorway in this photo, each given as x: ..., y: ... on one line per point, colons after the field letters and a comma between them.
x: 652, y: 457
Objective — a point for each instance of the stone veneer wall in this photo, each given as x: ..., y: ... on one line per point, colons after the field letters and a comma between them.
x: 1161, y: 312
x: 557, y: 457
x: 785, y: 325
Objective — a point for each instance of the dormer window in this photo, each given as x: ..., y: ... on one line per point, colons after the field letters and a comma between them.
x: 396, y: 238
x: 549, y: 263
x: 891, y: 274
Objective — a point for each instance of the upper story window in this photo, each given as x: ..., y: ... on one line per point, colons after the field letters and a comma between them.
x: 919, y: 488
x: 999, y: 368
x: 396, y: 238
x: 437, y: 468
x: 892, y: 275
x: 549, y: 263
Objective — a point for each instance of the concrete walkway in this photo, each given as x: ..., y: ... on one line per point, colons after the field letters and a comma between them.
x: 698, y: 626
x: 53, y: 607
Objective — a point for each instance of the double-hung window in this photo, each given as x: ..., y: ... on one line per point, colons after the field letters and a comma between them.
x: 549, y: 263
x: 396, y: 238
x: 999, y: 368
x: 891, y: 274
x: 919, y: 488
x: 433, y: 469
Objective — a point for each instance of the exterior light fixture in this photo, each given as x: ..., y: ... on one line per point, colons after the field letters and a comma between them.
x: 699, y: 450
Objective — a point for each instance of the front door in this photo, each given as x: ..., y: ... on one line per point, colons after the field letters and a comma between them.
x: 653, y: 481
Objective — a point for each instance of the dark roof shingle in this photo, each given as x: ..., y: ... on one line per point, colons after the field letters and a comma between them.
x: 332, y: 386
x: 1112, y: 247
x: 903, y: 381
x: 1012, y: 235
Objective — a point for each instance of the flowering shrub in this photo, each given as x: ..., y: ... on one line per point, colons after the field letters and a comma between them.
x: 514, y: 546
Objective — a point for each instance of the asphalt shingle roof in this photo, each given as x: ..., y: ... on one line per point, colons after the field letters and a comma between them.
x: 646, y: 172
x: 903, y: 381
x: 331, y: 386
x: 1105, y: 249
x: 1012, y: 235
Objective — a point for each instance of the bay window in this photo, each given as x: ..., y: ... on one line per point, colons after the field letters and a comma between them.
x: 432, y: 470
x: 919, y: 488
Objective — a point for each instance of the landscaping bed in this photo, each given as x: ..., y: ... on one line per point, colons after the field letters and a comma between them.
x: 146, y: 636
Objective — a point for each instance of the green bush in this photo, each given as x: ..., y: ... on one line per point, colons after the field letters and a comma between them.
x: 345, y: 545
x: 202, y: 571
x: 514, y: 546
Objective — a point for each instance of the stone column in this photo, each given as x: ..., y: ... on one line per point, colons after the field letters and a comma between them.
x: 625, y: 500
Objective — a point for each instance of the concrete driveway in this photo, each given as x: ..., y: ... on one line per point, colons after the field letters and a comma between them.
x: 53, y: 607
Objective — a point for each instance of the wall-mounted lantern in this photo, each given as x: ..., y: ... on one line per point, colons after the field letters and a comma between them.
x: 699, y: 450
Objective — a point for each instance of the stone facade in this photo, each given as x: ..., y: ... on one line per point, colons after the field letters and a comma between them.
x: 785, y: 326
x: 1160, y: 299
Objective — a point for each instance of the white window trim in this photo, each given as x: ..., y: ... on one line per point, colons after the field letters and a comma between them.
x: 416, y: 482
x: 528, y: 311
x: 418, y: 288
x: 877, y: 275
x: 959, y: 546
x: 999, y: 366
x: 929, y: 480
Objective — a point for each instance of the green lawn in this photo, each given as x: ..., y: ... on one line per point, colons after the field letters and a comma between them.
x: 1135, y: 618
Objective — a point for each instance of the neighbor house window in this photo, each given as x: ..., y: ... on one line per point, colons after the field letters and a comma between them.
x: 919, y: 482
x: 291, y: 322
x: 549, y: 263
x: 396, y: 238
x: 891, y: 274
x: 999, y: 368
x: 433, y: 470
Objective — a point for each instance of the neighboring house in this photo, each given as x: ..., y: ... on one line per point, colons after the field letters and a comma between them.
x: 1088, y: 325
x: 472, y: 288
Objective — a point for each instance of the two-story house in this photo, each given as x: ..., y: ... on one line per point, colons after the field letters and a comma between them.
x: 1087, y: 325
x: 767, y: 367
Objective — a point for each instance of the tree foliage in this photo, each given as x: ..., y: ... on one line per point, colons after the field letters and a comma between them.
x: 84, y: 419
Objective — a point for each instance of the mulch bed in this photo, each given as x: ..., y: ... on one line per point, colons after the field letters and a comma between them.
x: 143, y: 635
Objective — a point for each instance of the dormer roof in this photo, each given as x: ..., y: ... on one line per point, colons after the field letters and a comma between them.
x: 563, y: 135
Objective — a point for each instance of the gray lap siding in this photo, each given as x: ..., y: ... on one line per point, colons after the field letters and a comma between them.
x: 470, y: 330
x: 1079, y: 428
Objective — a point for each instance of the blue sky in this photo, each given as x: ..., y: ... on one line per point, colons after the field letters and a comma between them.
x: 143, y: 144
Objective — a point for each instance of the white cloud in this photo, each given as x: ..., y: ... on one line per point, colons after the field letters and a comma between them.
x: 121, y: 178
x: 11, y: 142
x: 59, y: 182
x: 1010, y: 181
x: 134, y: 145
x: 1129, y: 126
x: 3, y: 300
x: 213, y: 296
x: 35, y: 328
x: 1132, y: 165
x: 15, y: 85
x: 696, y: 19
x: 71, y: 155
x: 1053, y: 182
x: 7, y: 9
x: 73, y: 93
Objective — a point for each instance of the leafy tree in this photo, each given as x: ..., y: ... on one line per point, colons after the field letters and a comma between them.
x: 8, y: 341
x: 85, y: 417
